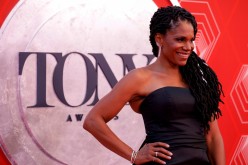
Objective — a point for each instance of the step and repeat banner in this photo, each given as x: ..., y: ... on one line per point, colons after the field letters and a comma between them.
x: 59, y: 57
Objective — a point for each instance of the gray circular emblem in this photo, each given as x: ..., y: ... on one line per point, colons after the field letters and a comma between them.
x: 58, y: 58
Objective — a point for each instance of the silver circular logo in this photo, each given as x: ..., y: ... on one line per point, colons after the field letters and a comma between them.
x: 58, y: 58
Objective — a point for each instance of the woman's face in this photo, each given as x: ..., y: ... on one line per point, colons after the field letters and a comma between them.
x: 177, y: 44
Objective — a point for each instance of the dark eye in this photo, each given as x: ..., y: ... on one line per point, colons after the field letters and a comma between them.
x: 180, y: 39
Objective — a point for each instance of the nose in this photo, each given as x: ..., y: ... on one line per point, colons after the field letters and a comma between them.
x: 188, y: 45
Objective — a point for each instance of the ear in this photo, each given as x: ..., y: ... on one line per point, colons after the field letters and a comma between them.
x: 159, y: 39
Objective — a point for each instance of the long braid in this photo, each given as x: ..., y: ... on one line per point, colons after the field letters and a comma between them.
x: 204, y: 86
x: 202, y: 80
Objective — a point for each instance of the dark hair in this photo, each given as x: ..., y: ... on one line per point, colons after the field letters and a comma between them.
x: 164, y: 19
x: 201, y: 79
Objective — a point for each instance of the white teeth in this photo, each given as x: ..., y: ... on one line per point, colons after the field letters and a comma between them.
x: 183, y: 54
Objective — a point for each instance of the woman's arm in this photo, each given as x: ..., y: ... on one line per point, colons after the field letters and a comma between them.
x: 108, y: 107
x: 216, y: 152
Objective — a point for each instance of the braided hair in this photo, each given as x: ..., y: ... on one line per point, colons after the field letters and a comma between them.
x: 201, y: 79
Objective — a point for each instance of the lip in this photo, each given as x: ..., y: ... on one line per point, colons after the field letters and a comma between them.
x: 183, y: 54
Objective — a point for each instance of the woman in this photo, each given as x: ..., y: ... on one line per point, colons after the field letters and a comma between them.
x: 178, y: 96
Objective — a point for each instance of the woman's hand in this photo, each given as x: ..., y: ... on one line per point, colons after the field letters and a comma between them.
x: 153, y: 152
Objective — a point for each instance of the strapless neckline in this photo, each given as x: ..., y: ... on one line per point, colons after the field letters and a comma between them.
x: 161, y: 88
x: 170, y: 116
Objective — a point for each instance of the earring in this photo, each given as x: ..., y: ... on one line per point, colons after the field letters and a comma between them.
x: 159, y: 49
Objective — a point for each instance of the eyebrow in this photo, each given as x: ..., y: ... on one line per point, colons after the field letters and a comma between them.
x: 184, y: 37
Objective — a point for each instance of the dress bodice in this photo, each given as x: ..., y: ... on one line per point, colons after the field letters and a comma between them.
x: 170, y: 116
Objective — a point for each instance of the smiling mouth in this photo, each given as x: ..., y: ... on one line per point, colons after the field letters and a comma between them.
x: 183, y: 55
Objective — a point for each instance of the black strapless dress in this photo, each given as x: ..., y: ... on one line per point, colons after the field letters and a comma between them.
x: 169, y: 116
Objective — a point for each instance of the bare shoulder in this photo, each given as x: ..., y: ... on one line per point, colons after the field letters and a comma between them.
x: 134, y: 81
x: 139, y: 75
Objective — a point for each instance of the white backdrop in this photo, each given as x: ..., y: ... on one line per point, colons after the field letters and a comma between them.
x: 53, y: 135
